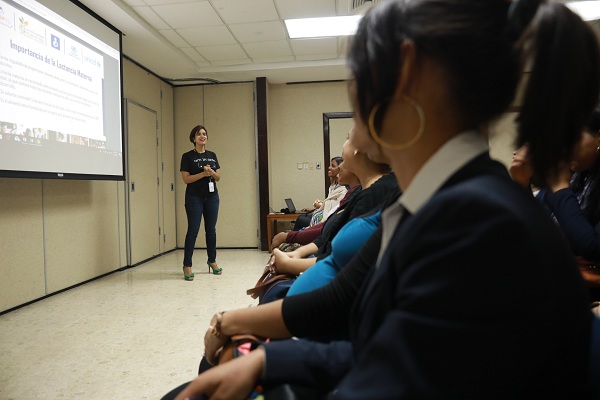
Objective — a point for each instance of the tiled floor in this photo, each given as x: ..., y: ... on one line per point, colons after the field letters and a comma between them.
x: 134, y: 334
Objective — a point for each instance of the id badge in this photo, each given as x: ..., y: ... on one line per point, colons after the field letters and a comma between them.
x: 211, y: 186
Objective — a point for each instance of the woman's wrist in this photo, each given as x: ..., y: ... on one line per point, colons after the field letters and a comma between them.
x: 222, y: 324
x: 228, y: 323
x: 217, y: 324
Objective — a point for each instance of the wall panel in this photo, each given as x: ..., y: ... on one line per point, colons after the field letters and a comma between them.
x: 296, y: 136
x: 227, y: 111
x: 21, y: 242
x: 229, y: 116
x: 81, y: 231
x: 188, y: 104
x: 169, y: 173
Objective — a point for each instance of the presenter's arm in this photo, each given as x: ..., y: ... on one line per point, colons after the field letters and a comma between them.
x: 216, y: 175
x: 188, y: 178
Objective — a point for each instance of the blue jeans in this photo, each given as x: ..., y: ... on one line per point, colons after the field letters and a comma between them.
x: 195, y: 208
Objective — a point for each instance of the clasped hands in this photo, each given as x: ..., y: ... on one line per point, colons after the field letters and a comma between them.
x: 279, y: 261
x: 208, y: 169
x: 214, y: 339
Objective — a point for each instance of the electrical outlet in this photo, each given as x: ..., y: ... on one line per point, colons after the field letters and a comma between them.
x: 318, y: 165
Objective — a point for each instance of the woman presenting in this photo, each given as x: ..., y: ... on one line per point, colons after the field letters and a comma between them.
x: 200, y: 171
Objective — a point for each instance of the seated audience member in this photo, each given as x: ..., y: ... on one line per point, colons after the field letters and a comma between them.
x: 337, y: 191
x: 573, y: 197
x: 307, y: 235
x: 460, y: 255
x: 376, y: 184
x: 322, y: 208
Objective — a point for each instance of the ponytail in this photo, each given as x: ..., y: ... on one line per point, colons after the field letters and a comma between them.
x: 563, y: 85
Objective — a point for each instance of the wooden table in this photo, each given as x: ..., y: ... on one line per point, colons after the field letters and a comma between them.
x: 272, y: 219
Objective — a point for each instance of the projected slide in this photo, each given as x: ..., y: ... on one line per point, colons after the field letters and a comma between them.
x: 60, y: 95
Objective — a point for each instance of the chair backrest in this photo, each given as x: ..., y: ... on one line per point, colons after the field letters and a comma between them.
x: 595, y: 359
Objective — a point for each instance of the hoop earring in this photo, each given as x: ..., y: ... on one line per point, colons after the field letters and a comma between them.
x: 400, y: 146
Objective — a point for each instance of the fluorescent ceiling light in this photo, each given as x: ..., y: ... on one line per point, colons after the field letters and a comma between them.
x: 587, y: 10
x: 321, y: 27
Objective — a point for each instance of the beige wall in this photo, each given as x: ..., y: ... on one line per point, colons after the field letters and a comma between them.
x: 296, y: 135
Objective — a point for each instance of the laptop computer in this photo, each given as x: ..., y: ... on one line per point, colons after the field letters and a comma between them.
x: 290, y: 206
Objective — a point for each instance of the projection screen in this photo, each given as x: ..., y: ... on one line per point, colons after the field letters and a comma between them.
x: 60, y: 92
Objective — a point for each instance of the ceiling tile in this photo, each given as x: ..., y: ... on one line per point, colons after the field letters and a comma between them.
x: 258, y: 31
x: 240, y: 61
x: 207, y: 36
x: 187, y: 15
x: 312, y: 57
x: 135, y: 2
x: 193, y: 54
x: 151, y: 17
x: 220, y: 53
x: 306, y: 8
x: 174, y: 38
x: 236, y: 11
x: 273, y: 59
x: 163, y: 2
x: 268, y: 49
x: 314, y: 46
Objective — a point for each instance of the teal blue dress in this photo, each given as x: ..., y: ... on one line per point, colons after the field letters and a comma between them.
x: 344, y: 246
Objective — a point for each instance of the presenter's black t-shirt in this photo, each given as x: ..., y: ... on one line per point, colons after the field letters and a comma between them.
x: 194, y: 163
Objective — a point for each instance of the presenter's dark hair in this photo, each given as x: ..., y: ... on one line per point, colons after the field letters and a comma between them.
x: 483, y: 47
x: 195, y: 131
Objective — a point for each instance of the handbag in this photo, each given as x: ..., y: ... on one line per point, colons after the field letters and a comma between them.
x: 239, y: 345
x: 243, y: 344
x: 271, y: 284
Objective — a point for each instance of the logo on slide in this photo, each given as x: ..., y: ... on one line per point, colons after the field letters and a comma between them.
x: 4, y: 18
x: 55, y: 41
x: 74, y: 51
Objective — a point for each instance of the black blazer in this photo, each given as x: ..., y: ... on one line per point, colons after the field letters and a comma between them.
x: 477, y: 297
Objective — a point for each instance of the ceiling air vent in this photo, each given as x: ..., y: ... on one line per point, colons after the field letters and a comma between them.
x: 360, y: 6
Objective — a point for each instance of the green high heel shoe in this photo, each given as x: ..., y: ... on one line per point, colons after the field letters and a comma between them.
x: 215, y: 271
x: 188, y: 277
